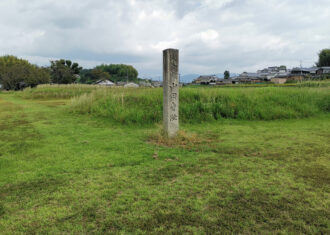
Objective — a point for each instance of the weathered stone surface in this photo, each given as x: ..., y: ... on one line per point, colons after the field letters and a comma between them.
x: 171, y: 91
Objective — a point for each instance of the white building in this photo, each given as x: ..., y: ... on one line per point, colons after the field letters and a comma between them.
x: 104, y: 83
x: 131, y: 85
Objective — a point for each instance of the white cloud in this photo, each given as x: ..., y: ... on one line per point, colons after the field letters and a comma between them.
x: 212, y: 35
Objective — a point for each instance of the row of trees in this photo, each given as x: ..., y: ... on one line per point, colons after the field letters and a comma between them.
x: 18, y: 73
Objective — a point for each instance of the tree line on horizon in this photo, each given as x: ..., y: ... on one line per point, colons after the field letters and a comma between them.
x: 16, y: 73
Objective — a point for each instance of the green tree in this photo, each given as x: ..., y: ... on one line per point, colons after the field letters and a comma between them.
x: 226, y: 74
x: 14, y: 71
x: 324, y: 58
x: 64, y: 71
x: 283, y: 67
x: 120, y: 72
x: 89, y: 76
x: 98, y: 74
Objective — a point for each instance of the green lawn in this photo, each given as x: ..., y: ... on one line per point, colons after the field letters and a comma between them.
x: 64, y: 173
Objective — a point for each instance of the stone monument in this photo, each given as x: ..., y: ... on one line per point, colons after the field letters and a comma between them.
x: 171, y: 92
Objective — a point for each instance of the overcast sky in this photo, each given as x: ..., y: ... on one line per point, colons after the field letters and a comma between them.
x: 212, y: 35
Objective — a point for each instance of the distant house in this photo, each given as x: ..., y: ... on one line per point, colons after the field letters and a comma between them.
x: 206, y: 80
x: 271, y: 72
x: 156, y: 84
x: 121, y: 83
x: 249, y: 75
x: 131, y: 85
x: 104, y: 83
x: 225, y: 81
x: 278, y: 80
x: 234, y: 80
x: 300, y: 71
x: 273, y: 69
x: 250, y: 78
x: 323, y: 70
x: 281, y: 75
x: 145, y: 84
x: 299, y: 74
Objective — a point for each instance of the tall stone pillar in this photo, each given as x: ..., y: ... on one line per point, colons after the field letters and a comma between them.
x: 171, y: 92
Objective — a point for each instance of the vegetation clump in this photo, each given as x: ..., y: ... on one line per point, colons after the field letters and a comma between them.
x: 144, y: 106
x: 16, y: 74
x: 324, y: 58
x: 64, y: 71
x: 114, y: 72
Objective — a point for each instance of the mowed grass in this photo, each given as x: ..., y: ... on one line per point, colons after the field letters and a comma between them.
x: 63, y: 172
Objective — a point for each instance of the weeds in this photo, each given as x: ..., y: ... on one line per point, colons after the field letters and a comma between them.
x: 144, y: 106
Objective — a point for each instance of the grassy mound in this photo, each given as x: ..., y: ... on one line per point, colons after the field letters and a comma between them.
x: 57, y: 91
x: 144, y: 106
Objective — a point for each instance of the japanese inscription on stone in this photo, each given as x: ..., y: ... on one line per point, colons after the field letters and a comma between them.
x: 171, y: 91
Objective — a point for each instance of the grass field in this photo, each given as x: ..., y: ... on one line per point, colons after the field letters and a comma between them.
x: 67, y: 168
